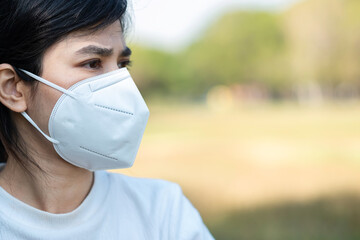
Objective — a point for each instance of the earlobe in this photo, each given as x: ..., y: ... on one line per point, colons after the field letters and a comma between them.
x: 12, y: 89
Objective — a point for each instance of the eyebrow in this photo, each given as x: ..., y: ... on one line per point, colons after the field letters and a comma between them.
x: 126, y: 52
x: 92, y: 49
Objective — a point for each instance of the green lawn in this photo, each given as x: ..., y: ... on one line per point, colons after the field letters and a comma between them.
x: 261, y: 172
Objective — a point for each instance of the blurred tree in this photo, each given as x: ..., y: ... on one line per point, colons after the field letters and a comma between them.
x: 323, y: 38
x: 158, y: 73
x: 242, y: 47
x: 315, y: 44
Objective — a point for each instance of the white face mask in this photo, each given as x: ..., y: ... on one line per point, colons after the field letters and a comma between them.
x: 98, y: 123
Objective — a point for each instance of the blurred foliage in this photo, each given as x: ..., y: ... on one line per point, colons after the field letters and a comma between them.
x: 242, y: 47
x: 314, y: 42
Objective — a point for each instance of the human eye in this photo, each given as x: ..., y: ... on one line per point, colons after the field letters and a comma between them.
x: 93, y: 64
x: 125, y: 63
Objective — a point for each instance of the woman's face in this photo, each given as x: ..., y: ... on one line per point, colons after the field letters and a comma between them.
x: 75, y: 58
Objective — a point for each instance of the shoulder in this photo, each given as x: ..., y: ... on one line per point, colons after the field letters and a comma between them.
x: 143, y: 186
x: 151, y: 196
x: 158, y: 203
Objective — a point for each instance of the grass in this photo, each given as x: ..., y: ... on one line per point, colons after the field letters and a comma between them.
x: 330, y: 218
x: 260, y: 168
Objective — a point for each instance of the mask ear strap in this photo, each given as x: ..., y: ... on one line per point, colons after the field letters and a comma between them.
x: 50, y: 84
x: 36, y: 126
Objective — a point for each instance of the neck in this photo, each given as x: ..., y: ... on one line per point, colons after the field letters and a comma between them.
x: 58, y: 187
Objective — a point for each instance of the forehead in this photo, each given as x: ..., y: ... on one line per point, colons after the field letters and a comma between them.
x: 111, y: 37
x: 113, y: 30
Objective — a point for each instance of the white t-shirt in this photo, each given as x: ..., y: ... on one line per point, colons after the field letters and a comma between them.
x: 117, y: 207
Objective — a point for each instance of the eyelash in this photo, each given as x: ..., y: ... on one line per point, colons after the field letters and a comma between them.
x: 126, y: 63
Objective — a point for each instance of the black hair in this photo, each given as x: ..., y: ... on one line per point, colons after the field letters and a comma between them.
x: 27, y: 29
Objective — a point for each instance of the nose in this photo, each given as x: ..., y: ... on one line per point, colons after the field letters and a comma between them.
x: 113, y: 67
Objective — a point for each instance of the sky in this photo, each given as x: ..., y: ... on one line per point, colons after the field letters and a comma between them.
x: 173, y: 24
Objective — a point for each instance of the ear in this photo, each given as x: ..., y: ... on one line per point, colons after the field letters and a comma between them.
x: 12, y: 89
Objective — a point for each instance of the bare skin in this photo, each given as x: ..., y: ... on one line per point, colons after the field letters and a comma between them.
x: 65, y: 186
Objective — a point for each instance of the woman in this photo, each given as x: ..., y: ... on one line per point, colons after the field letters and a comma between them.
x: 69, y: 110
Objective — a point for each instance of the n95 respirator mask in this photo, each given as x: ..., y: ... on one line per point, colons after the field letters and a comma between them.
x: 97, y: 123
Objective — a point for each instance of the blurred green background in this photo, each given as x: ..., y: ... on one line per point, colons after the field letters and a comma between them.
x: 258, y: 119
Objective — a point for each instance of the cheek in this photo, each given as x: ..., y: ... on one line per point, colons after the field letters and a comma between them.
x: 41, y: 105
x: 46, y: 97
x: 60, y: 74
